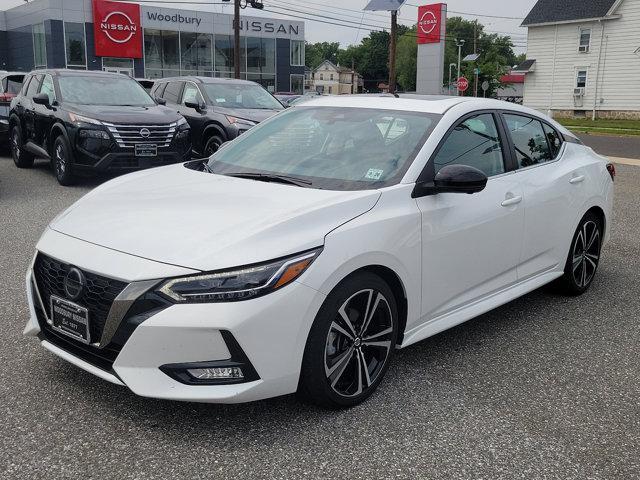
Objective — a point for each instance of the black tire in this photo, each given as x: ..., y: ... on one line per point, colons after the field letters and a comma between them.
x: 584, y: 258
x: 332, y: 375
x: 62, y: 161
x: 21, y: 157
x: 212, y: 145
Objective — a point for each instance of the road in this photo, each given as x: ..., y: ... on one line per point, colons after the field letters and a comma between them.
x: 622, y: 147
x: 546, y: 387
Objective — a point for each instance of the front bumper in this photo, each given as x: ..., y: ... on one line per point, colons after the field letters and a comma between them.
x: 271, y: 331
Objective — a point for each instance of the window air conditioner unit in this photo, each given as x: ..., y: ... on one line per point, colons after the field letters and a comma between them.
x: 583, y: 48
x: 578, y: 92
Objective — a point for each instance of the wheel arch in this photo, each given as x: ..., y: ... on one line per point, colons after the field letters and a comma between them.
x: 599, y: 212
x: 14, y: 120
x: 56, y: 130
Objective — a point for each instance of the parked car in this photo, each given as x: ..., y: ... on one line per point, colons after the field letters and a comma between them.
x: 146, y: 83
x: 300, y: 256
x: 217, y: 109
x: 10, y: 84
x: 86, y: 122
x: 286, y: 98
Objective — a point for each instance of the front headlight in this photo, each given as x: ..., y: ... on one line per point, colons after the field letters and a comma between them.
x: 241, y: 122
x: 75, y: 118
x: 240, y: 284
x: 181, y: 122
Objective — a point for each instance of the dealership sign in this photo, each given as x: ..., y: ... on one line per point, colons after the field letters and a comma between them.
x: 117, y: 30
x: 430, y: 23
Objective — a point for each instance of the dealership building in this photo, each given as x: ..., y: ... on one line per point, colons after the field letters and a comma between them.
x: 150, y: 42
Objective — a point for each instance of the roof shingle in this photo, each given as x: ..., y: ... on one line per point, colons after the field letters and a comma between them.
x: 554, y: 11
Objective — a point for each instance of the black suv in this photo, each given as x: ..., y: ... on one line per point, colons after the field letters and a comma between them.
x: 93, y: 122
x: 217, y: 109
x: 10, y: 85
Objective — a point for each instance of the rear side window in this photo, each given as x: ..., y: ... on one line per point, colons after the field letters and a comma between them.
x: 34, y: 85
x: 529, y: 140
x: 554, y: 139
x: 172, y: 92
x: 158, y: 90
x: 474, y: 142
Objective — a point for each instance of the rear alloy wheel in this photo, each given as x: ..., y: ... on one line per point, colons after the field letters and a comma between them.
x: 212, y: 146
x: 351, y: 343
x: 584, y: 256
x: 61, y: 161
x: 21, y: 158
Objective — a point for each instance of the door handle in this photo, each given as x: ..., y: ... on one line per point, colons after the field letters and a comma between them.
x: 512, y: 201
x: 578, y: 179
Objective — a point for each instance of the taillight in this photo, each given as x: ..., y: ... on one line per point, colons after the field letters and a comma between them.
x: 6, y: 97
x: 611, y: 168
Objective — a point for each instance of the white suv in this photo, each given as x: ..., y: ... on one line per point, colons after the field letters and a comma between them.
x: 302, y: 254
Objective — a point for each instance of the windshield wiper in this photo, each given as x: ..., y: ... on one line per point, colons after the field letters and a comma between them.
x: 206, y: 167
x: 271, y: 177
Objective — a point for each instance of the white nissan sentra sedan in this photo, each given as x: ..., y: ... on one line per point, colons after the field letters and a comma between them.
x: 300, y: 256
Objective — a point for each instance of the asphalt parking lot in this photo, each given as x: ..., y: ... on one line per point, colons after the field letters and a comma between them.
x: 545, y: 387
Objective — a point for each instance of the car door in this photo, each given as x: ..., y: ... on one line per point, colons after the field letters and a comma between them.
x: 43, y: 116
x: 195, y: 118
x: 552, y: 186
x: 29, y: 108
x: 471, y: 243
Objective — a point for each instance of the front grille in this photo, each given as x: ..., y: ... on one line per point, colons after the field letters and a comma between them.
x: 128, y: 136
x: 98, y: 296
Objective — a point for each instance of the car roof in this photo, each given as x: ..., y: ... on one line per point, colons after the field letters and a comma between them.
x: 64, y: 72
x: 196, y: 79
x: 437, y: 104
x: 4, y: 73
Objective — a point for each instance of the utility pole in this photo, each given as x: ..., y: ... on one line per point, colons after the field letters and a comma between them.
x: 236, y: 38
x: 475, y: 51
x: 459, y: 44
x: 392, y: 52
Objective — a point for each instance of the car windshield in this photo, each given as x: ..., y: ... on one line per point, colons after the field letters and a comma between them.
x: 241, y: 96
x: 103, y: 90
x: 330, y: 147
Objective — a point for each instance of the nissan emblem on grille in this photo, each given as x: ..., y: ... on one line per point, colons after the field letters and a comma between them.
x: 145, y: 133
x: 74, y: 283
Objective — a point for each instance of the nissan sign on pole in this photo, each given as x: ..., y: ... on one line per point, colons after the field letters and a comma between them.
x: 117, y: 29
x: 429, y: 23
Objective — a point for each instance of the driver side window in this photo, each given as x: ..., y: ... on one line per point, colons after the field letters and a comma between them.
x: 474, y: 142
x: 47, y: 87
x: 191, y: 94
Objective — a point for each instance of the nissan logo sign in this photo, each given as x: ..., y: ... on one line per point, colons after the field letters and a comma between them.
x: 74, y: 283
x: 428, y: 22
x: 145, y: 133
x: 118, y: 27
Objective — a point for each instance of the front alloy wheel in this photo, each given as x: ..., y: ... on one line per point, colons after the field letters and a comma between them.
x: 351, y: 343
x: 61, y: 160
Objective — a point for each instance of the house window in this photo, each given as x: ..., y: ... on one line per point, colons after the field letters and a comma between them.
x: 321, y: 77
x: 581, y: 79
x: 332, y: 76
x: 585, y: 40
x: 297, y: 53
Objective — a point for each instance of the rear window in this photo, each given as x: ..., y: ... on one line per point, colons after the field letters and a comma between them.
x: 12, y: 84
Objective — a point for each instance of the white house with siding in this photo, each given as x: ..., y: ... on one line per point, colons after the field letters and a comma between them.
x: 583, y: 58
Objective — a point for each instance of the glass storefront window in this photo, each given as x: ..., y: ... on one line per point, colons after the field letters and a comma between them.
x: 297, y: 84
x: 39, y: 46
x: 170, y: 50
x: 75, y: 45
x: 261, y: 55
x: 162, y: 53
x: 267, y: 81
x: 297, y: 53
x: 223, y: 54
x: 196, y: 53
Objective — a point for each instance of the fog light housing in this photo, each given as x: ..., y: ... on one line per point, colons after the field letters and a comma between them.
x: 216, y: 373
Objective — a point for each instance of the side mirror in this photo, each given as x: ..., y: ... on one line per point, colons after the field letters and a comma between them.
x: 453, y: 179
x: 198, y: 107
x: 42, y: 99
x: 160, y: 101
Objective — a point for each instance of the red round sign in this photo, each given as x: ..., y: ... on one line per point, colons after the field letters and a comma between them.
x: 463, y: 84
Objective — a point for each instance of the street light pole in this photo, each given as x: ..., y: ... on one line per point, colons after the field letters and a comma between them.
x: 392, y: 52
x: 459, y: 44
x: 451, y: 67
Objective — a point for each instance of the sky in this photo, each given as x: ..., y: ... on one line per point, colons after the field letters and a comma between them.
x: 350, y: 11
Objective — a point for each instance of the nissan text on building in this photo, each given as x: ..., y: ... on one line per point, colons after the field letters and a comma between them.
x: 583, y: 58
x: 151, y: 42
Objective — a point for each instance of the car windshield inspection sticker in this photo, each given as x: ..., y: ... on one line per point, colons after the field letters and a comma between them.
x: 374, y: 174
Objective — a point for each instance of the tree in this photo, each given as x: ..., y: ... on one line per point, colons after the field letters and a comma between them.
x: 316, y: 53
x: 406, y: 60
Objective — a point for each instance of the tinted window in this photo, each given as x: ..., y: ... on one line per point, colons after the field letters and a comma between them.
x: 529, y: 140
x: 25, y: 85
x: 191, y: 94
x: 172, y: 92
x: 47, y: 87
x: 241, y: 96
x: 554, y: 139
x: 474, y: 142
x: 33, y: 86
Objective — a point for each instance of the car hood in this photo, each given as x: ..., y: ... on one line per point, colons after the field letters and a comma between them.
x: 203, y: 221
x: 255, y: 115
x: 156, y: 114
